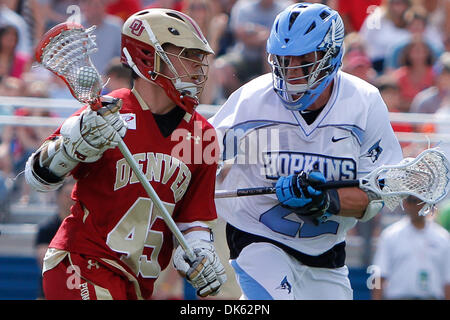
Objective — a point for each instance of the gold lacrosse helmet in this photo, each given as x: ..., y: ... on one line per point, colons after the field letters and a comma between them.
x: 144, y: 36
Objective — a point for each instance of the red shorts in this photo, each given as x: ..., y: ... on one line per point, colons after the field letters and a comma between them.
x: 78, y: 277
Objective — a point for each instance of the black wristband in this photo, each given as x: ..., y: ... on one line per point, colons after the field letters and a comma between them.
x: 44, y: 173
x: 335, y: 203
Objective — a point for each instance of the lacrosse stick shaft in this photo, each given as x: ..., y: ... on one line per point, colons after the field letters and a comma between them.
x: 270, y: 190
x: 155, y: 198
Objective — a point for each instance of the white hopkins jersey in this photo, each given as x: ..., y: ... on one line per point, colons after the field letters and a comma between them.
x: 262, y: 141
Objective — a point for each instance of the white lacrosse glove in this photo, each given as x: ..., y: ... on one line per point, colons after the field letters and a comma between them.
x: 206, y: 273
x: 89, y: 135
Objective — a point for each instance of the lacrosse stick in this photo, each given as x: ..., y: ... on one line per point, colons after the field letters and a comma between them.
x: 65, y: 50
x: 425, y: 177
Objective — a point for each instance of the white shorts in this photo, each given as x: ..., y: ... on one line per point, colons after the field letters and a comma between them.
x: 266, y: 272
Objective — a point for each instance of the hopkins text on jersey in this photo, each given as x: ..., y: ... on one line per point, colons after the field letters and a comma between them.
x: 283, y: 163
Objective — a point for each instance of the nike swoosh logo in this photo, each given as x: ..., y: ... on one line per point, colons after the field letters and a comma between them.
x: 338, y: 139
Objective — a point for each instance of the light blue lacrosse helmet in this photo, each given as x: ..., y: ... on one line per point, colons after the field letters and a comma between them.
x: 300, y: 29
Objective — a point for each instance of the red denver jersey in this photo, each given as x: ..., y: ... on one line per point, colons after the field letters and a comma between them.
x: 113, y: 217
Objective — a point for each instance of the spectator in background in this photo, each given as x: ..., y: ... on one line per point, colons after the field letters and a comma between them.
x: 31, y: 12
x: 39, y: 89
x: 413, y: 255
x: 353, y: 41
x: 416, y: 71
x: 447, y: 42
x: 213, y: 24
x: 123, y: 8
x: 48, y: 229
x: 390, y: 92
x: 438, y: 98
x: 9, y: 17
x: 227, y: 39
x: 117, y: 76
x: 333, y: 4
x: 8, y: 86
x: 108, y: 32
x: 443, y: 217
x: 250, y: 21
x: 54, y: 12
x: 358, y: 64
x: 354, y: 12
x: 168, y: 4
x: 18, y: 142
x: 383, y: 28
x: 210, y: 19
x: 432, y: 98
x: 11, y: 87
x: 418, y: 27
x: 56, y: 87
x: 12, y: 62
x: 5, y: 189
x: 438, y: 12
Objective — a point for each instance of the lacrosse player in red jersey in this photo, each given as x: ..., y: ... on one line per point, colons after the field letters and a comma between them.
x: 115, y: 243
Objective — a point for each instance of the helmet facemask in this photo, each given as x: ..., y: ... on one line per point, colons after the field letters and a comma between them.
x: 176, y: 69
x: 291, y: 87
x: 307, y: 37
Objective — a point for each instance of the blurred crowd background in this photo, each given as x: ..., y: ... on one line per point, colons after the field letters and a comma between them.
x: 400, y: 46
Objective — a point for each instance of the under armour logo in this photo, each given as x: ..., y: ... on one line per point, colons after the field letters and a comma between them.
x: 92, y: 264
x: 196, y: 138
x: 136, y: 27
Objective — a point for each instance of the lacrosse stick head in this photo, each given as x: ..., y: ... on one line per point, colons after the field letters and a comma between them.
x: 425, y: 177
x: 65, y: 51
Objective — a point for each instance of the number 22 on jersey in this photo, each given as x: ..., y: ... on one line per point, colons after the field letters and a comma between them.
x: 276, y: 219
x: 133, y: 233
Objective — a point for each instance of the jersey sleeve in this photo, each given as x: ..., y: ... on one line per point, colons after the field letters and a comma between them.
x: 379, y: 144
x: 198, y: 201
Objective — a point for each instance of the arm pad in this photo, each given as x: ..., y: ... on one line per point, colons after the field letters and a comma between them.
x: 53, y: 155
x: 37, y: 181
x: 46, y: 168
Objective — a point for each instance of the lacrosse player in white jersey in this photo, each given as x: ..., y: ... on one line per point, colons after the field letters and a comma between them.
x: 303, y: 124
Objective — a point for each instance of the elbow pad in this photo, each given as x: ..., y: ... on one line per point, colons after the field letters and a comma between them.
x: 37, y: 181
x: 46, y: 168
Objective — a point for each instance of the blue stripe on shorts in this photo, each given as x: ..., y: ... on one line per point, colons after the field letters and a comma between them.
x: 251, y: 288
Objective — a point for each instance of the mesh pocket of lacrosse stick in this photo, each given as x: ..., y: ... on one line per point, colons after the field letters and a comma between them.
x: 65, y: 50
x: 425, y: 177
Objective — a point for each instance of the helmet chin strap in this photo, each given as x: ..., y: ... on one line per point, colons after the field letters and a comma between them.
x: 186, y: 88
x: 297, y: 88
